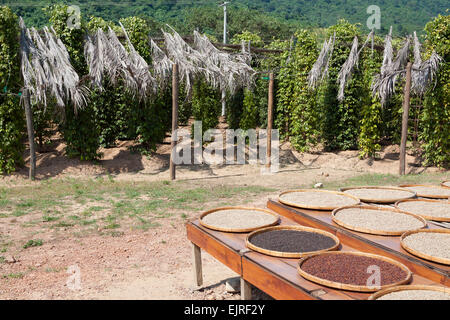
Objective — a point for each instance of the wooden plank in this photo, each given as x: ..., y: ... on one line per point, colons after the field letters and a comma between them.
x: 216, y: 248
x: 270, y: 283
x: 382, y: 245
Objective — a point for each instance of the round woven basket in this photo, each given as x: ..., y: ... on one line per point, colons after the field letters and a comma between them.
x: 370, y: 231
x: 421, y: 254
x: 445, y: 184
x: 425, y: 215
x: 412, y: 194
x: 386, y: 291
x: 280, y: 254
x: 428, y: 195
x: 276, y: 220
x: 351, y: 287
x: 323, y: 193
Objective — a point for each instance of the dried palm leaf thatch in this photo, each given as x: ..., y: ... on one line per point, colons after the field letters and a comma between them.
x: 234, y: 73
x: 106, y: 55
x: 191, y: 63
x: 162, y: 65
x: 146, y: 84
x: 46, y: 69
x: 423, y: 74
x: 388, y: 54
x: 383, y: 84
x: 348, y: 67
x: 319, y: 70
x: 402, y: 56
x: 417, y: 56
x: 352, y: 61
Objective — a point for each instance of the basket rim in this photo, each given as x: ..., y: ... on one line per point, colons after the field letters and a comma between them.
x: 373, y: 231
x: 419, y: 253
x: 427, y: 217
x: 281, y: 254
x: 386, y: 291
x: 392, y: 200
x: 238, y: 230
x: 352, y: 287
x: 313, y: 207
x: 432, y: 196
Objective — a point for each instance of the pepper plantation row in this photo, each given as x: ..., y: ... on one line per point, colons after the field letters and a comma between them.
x: 306, y: 117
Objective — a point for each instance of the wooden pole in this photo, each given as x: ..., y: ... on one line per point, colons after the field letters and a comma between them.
x: 269, y: 121
x: 173, y: 143
x: 405, y: 119
x: 197, y: 263
x: 30, y: 130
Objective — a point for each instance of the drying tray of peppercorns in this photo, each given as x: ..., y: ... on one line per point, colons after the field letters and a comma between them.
x: 412, y: 292
x: 428, y: 244
x: 353, y: 271
x: 291, y: 241
x: 429, y: 191
x: 377, y: 220
x: 379, y: 194
x: 238, y: 219
x: 317, y: 199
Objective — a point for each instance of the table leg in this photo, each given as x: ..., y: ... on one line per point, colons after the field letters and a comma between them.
x: 197, y: 263
x: 246, y: 290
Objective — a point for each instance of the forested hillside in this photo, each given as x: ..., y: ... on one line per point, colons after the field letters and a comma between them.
x: 267, y: 17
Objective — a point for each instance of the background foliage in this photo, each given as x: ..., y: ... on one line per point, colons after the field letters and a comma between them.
x: 307, y: 118
x: 11, y: 115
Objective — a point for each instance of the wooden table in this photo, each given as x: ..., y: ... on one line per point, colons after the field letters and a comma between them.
x: 278, y: 277
x: 388, y: 246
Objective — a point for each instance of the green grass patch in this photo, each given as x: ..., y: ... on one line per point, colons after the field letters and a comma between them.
x: 378, y: 179
x: 18, y: 275
x: 33, y: 243
x: 49, y: 218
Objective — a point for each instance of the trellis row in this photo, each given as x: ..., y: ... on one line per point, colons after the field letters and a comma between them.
x: 50, y: 70
x: 419, y: 75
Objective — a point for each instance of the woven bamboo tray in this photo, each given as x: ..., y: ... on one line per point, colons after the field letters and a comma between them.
x: 392, y: 200
x: 431, y: 195
x: 424, y: 215
x: 238, y: 230
x: 446, y: 184
x: 421, y: 254
x: 386, y: 291
x: 351, y: 287
x: 370, y: 231
x: 290, y: 254
x: 314, y: 207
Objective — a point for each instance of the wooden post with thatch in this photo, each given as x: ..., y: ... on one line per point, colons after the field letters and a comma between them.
x: 174, y: 120
x: 269, y: 122
x: 30, y: 130
x: 406, y: 103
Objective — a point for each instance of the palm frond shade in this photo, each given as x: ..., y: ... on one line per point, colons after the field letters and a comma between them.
x: 422, y: 74
x: 106, y: 55
x: 319, y: 70
x: 190, y: 62
x: 162, y: 65
x: 46, y: 69
x: 349, y: 66
x: 388, y: 54
x: 232, y: 70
